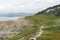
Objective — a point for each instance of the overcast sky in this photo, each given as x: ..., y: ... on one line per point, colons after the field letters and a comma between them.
x: 25, y: 6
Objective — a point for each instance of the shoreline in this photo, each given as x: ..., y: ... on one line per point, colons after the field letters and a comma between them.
x: 10, y: 18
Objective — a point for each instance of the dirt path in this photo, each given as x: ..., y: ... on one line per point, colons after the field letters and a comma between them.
x: 40, y: 32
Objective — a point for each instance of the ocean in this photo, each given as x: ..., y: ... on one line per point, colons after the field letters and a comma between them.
x: 8, y: 18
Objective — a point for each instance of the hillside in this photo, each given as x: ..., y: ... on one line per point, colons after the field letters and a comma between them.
x: 39, y: 26
x: 11, y: 28
x: 51, y: 30
x: 55, y: 10
x: 50, y: 19
x: 28, y: 27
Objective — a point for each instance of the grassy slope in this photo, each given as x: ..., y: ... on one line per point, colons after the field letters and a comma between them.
x: 27, y: 33
x: 52, y: 32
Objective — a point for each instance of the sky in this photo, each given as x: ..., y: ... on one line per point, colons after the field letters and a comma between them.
x: 25, y: 6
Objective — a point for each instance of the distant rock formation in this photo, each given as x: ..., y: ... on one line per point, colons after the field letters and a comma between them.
x: 55, y: 10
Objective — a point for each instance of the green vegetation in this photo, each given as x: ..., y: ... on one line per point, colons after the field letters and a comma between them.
x: 26, y: 34
x: 52, y: 24
x: 42, y: 19
x: 49, y: 18
x: 51, y: 21
x: 51, y: 32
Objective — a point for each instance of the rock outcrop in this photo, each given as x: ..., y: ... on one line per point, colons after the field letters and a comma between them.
x: 55, y: 10
x: 11, y: 27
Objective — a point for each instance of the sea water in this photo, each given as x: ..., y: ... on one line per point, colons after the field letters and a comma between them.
x: 8, y: 18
